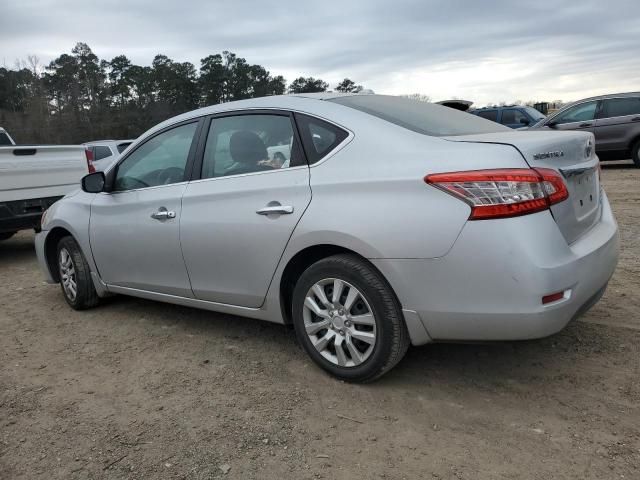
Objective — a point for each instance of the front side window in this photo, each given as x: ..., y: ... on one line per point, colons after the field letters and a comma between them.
x: 513, y: 116
x: 159, y: 161
x: 100, y: 152
x: 579, y: 113
x: 620, y: 107
x: 250, y: 143
x: 489, y: 115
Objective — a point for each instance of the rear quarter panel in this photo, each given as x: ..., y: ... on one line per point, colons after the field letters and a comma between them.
x: 371, y: 196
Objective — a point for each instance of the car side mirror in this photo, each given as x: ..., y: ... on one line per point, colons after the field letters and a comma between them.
x: 525, y: 121
x: 551, y: 124
x: 93, y: 183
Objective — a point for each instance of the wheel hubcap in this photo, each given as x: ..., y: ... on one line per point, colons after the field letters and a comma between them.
x: 339, y: 322
x: 68, y: 274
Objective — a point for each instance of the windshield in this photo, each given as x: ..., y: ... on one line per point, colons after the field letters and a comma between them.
x: 421, y: 117
x: 535, y: 114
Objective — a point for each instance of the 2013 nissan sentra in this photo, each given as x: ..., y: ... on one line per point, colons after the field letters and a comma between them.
x: 392, y: 222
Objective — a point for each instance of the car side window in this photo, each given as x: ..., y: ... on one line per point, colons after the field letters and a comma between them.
x: 162, y: 160
x: 252, y: 143
x: 579, y: 113
x: 620, y: 107
x: 512, y: 115
x: 489, y: 115
x: 319, y: 137
x: 100, y: 152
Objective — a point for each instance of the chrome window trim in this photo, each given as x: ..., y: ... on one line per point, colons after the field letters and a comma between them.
x: 239, y: 175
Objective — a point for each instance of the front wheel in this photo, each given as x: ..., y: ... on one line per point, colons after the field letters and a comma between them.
x: 348, y: 320
x: 75, y: 276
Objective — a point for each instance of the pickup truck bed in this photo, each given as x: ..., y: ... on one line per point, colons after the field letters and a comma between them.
x: 34, y: 177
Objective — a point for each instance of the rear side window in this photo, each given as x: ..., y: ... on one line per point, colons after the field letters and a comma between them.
x: 421, y: 117
x: 100, y: 152
x: 4, y: 139
x: 123, y: 146
x: 489, y: 115
x: 619, y: 107
x: 319, y: 137
x: 512, y: 115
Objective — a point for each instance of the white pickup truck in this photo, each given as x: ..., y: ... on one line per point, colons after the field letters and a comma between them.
x: 32, y: 177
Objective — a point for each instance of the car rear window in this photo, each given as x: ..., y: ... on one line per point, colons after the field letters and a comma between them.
x: 4, y: 139
x: 123, y: 146
x: 488, y: 114
x: 620, y: 107
x: 100, y: 152
x: 420, y: 117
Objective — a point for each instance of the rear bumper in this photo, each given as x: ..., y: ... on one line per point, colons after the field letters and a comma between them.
x: 491, y: 283
x: 23, y: 214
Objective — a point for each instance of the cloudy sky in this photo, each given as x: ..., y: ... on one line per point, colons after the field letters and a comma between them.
x: 486, y: 51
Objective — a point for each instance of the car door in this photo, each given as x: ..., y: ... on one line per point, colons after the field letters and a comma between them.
x: 580, y: 117
x: 135, y: 227
x: 618, y: 123
x: 239, y: 215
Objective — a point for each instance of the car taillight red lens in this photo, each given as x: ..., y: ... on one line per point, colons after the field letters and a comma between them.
x: 503, y: 193
x: 89, y: 154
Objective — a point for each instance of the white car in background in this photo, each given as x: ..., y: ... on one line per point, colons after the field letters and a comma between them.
x: 105, y: 152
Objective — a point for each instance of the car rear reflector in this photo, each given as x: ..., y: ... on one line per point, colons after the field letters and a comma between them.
x: 554, y: 297
x: 89, y: 154
x: 501, y: 193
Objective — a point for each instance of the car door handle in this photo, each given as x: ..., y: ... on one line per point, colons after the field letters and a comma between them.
x: 163, y: 214
x: 635, y: 119
x: 586, y: 124
x: 275, y: 210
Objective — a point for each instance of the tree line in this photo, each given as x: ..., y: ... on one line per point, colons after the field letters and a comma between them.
x: 78, y: 97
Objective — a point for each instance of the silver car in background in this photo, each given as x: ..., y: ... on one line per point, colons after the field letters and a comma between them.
x: 394, y: 222
x: 106, y: 152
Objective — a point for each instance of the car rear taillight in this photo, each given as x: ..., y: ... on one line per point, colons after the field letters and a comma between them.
x: 501, y: 193
x: 89, y: 154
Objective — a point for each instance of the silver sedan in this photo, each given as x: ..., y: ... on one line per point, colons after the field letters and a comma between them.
x: 392, y: 222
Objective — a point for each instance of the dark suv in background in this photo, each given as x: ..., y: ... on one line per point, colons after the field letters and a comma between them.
x: 512, y: 116
x: 613, y: 119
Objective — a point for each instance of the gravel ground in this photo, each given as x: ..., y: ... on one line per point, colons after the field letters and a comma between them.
x: 136, y: 389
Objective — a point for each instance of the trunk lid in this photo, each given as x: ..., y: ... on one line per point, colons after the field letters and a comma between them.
x: 572, y: 154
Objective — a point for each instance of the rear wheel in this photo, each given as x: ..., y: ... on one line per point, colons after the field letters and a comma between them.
x: 348, y: 320
x: 75, y: 275
x: 635, y: 153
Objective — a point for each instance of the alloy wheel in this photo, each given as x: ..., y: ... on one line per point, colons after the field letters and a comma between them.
x: 339, y: 322
x: 68, y: 274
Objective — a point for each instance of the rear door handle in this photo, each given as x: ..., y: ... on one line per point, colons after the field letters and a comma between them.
x: 163, y: 214
x: 275, y: 210
x: 586, y: 125
x: 635, y: 119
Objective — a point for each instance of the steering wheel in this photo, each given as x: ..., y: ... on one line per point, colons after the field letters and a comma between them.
x: 169, y: 175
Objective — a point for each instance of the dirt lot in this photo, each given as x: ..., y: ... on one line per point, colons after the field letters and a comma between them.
x: 136, y: 389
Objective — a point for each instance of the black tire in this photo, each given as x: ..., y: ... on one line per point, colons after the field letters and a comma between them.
x: 635, y: 153
x: 392, y: 338
x: 86, y: 295
x: 6, y: 235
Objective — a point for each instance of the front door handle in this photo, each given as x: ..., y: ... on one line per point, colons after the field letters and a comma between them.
x: 275, y: 210
x: 586, y: 125
x: 635, y: 119
x: 163, y: 214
